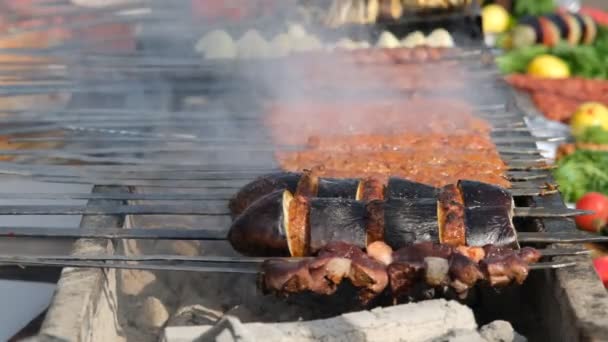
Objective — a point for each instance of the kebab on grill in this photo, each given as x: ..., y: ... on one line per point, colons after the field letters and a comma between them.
x: 468, y: 213
x: 404, y: 274
x: 307, y: 183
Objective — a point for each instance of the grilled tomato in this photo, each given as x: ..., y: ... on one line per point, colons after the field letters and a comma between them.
x: 598, y: 204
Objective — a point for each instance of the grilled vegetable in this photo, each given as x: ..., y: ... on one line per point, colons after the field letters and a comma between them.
x: 403, y: 188
x: 589, y: 28
x: 263, y: 233
x: 308, y: 184
x: 300, y: 226
x: 262, y: 186
x: 550, y: 32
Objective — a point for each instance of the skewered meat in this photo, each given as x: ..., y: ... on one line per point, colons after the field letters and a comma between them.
x: 268, y: 227
x: 402, y: 144
x: 310, y: 184
x: 295, y: 123
x: 401, y: 274
x: 559, y: 99
x: 323, y: 274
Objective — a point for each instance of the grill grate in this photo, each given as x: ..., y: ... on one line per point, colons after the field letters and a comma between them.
x: 202, y: 139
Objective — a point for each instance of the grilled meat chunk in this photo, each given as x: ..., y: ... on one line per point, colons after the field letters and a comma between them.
x: 322, y: 275
x: 405, y: 274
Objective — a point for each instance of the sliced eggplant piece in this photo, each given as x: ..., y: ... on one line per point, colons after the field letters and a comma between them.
x: 450, y: 216
x: 260, y: 229
x: 337, y: 187
x: 405, y: 189
x: 574, y: 31
x: 337, y: 219
x: 590, y: 31
x: 581, y: 23
x: 490, y: 225
x: 370, y: 189
x: 524, y: 35
x: 534, y: 24
x: 308, y: 185
x: 551, y: 34
x: 478, y: 194
x: 407, y: 221
x: 560, y: 22
x: 260, y: 187
x: 296, y: 224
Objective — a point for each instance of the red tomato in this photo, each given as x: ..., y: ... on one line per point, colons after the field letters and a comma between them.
x: 597, y: 203
x: 601, y: 268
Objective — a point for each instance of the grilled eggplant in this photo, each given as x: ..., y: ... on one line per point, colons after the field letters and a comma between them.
x: 299, y: 226
x: 403, y: 188
x: 261, y: 187
x: 309, y: 184
x: 260, y: 230
x: 490, y: 225
x: 478, y: 194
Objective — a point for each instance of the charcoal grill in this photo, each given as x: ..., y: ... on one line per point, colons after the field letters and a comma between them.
x: 99, y: 137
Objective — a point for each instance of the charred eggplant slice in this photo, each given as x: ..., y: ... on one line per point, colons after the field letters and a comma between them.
x: 337, y: 187
x: 490, y: 225
x: 478, y: 194
x: 403, y: 188
x: 407, y: 222
x: 261, y: 187
x: 260, y: 229
x: 337, y: 219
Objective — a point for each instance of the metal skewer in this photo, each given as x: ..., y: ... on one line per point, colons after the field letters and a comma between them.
x: 173, y: 264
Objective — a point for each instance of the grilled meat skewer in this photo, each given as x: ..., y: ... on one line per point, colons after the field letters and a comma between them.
x: 469, y: 213
x: 401, y: 273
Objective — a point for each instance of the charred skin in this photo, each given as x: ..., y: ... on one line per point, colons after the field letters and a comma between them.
x: 337, y: 187
x: 403, y: 188
x: 261, y: 187
x: 337, y: 219
x: 490, y: 225
x: 280, y: 224
x: 260, y: 229
x: 309, y: 184
x: 478, y: 194
x: 407, y: 222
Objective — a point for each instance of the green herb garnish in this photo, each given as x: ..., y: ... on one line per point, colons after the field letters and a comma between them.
x: 593, y: 135
x: 581, y: 172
